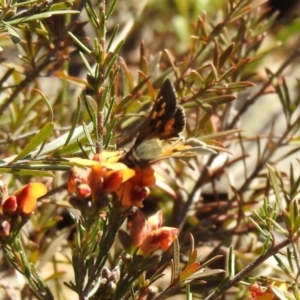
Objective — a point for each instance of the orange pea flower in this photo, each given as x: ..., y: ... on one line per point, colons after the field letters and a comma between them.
x: 136, y: 189
x: 258, y: 293
x: 149, y: 235
x: 23, y: 201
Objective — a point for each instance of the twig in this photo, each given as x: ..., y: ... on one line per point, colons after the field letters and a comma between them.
x: 251, y: 101
x: 238, y: 277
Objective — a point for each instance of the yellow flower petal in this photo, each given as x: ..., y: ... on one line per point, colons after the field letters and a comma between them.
x: 27, y: 196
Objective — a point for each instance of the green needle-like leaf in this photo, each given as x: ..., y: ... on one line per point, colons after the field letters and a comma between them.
x: 35, y: 142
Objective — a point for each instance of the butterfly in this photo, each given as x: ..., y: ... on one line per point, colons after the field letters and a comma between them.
x: 160, y: 134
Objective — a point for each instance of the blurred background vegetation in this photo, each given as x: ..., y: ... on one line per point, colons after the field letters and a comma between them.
x: 235, y: 66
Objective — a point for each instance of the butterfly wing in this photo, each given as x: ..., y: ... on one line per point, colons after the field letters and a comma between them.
x: 167, y: 118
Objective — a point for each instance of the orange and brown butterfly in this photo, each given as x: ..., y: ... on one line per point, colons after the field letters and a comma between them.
x: 160, y: 135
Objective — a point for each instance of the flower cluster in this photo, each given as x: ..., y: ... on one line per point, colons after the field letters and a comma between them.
x: 17, y: 208
x: 99, y: 180
x: 103, y: 179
